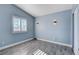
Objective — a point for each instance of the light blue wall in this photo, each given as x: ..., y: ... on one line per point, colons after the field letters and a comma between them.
x: 59, y: 33
x: 6, y: 36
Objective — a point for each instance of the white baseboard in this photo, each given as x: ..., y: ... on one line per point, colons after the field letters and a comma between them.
x: 55, y: 42
x: 15, y: 44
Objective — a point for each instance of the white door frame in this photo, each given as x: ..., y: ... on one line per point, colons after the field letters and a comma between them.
x: 76, y: 32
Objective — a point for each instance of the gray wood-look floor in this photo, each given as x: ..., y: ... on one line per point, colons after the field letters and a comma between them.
x: 29, y: 47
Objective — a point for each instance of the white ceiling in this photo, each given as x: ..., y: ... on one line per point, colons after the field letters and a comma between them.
x: 44, y: 9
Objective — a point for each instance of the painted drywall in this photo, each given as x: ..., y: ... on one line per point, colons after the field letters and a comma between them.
x: 45, y: 29
x: 6, y: 35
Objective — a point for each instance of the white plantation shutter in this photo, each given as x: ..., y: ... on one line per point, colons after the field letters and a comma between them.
x: 19, y: 24
x: 23, y: 25
x: 16, y: 24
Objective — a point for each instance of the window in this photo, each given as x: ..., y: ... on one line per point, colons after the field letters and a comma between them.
x: 19, y: 24
x: 23, y: 25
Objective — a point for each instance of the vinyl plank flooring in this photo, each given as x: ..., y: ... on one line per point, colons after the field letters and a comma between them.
x: 28, y: 48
